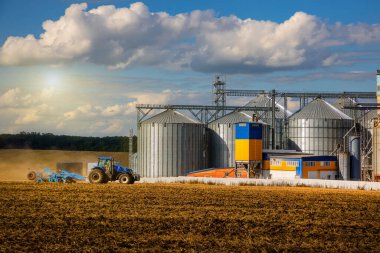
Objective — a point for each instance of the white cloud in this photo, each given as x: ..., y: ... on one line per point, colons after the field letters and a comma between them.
x: 21, y: 108
x: 126, y: 37
x: 10, y: 98
x: 89, y: 111
x: 114, y: 127
x: 16, y: 98
x: 114, y: 110
x: 29, y: 117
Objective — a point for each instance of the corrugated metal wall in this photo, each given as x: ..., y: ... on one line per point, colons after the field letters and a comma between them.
x: 317, y: 136
x: 171, y: 149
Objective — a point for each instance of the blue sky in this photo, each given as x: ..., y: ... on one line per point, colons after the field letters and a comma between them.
x: 83, y: 71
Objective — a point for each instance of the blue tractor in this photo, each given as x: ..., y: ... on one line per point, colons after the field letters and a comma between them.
x: 108, y: 170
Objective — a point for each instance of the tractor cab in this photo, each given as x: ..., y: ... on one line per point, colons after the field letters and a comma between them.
x: 107, y: 163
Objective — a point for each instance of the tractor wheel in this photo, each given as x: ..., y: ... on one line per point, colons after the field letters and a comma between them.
x: 97, y: 176
x: 31, y: 175
x: 126, y: 179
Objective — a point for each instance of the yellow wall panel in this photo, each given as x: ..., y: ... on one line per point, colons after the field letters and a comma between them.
x: 248, y: 150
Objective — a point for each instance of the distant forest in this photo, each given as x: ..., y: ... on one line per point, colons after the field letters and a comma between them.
x: 47, y: 141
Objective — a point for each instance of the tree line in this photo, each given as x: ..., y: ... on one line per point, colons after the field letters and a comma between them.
x: 48, y: 141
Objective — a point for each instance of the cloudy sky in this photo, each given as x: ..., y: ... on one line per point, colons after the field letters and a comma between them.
x: 79, y: 68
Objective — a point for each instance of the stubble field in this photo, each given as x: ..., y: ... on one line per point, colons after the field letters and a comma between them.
x: 186, y: 217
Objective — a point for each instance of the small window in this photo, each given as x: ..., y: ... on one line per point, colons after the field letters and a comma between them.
x: 310, y: 164
x: 292, y: 163
x: 324, y: 163
x: 275, y: 163
x: 238, y: 174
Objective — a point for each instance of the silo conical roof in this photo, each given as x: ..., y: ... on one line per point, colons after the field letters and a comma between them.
x: 234, y: 117
x: 319, y: 109
x: 171, y: 116
x: 263, y: 100
x: 339, y: 103
x: 371, y: 114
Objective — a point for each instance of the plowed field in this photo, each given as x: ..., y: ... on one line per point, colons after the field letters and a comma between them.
x: 186, y: 217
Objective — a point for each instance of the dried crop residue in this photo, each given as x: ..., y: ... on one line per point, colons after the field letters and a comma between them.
x: 14, y: 163
x: 186, y: 217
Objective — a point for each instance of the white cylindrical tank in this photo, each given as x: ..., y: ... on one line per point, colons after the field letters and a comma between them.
x: 318, y: 128
x: 344, y: 165
x: 170, y: 144
x: 354, y: 149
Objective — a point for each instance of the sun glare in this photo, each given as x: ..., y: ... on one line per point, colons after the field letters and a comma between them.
x: 53, y: 79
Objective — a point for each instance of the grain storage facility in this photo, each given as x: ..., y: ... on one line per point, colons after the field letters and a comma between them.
x: 318, y: 128
x: 170, y: 144
x: 263, y: 100
x: 222, y: 138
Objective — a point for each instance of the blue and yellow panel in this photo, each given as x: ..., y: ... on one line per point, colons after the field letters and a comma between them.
x: 249, y: 130
x: 248, y: 150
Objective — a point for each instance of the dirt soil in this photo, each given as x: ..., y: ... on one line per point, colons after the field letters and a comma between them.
x: 37, y: 217
x: 15, y: 163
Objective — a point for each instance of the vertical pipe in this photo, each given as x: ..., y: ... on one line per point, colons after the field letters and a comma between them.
x: 130, y: 149
x: 286, y: 127
x: 273, y: 119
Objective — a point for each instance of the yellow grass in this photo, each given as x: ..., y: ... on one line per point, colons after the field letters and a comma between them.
x: 14, y: 163
x: 186, y: 217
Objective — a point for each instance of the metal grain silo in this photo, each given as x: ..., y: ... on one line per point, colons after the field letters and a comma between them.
x: 265, y: 101
x: 222, y: 138
x: 318, y: 128
x: 170, y: 144
x: 341, y: 102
